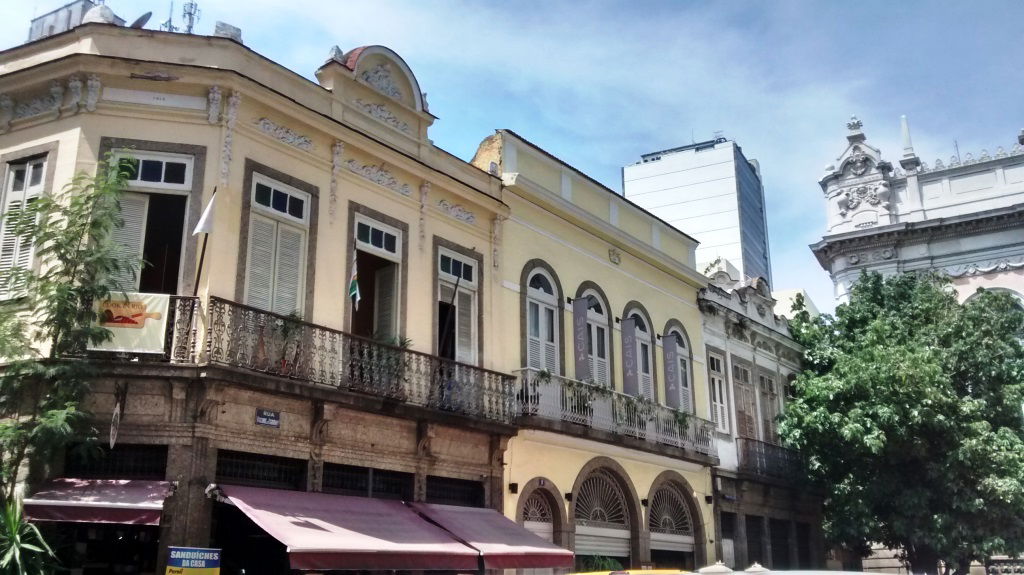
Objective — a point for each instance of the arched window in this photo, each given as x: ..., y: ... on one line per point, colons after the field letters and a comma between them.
x: 597, y: 337
x: 644, y: 355
x: 538, y: 517
x: 678, y: 386
x: 542, y: 319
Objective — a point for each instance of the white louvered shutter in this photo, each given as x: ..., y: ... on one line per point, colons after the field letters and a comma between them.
x: 26, y: 182
x: 288, y: 270
x: 260, y: 265
x: 131, y: 237
x: 599, y: 358
x: 384, y: 301
x: 549, y: 333
x: 10, y: 244
x: 646, y: 378
x: 534, y: 356
x: 685, y: 395
x: 464, y: 351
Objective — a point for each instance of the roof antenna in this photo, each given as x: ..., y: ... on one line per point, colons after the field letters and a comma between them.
x: 719, y: 135
x: 957, y: 148
x: 169, y: 24
x: 692, y: 139
x: 190, y: 12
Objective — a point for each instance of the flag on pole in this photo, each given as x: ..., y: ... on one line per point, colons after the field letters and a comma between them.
x: 205, y: 224
x: 353, y: 284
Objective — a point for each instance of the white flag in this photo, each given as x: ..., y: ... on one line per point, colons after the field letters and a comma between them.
x: 205, y: 224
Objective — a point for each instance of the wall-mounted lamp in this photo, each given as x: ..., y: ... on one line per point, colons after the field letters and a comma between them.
x: 568, y: 496
x: 709, y: 499
x: 643, y: 502
x: 513, y: 488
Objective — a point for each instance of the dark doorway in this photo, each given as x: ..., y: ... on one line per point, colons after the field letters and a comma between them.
x: 446, y: 330
x: 755, y: 539
x: 780, y: 544
x: 377, y: 315
x: 104, y: 548
x: 161, y: 251
x: 673, y: 560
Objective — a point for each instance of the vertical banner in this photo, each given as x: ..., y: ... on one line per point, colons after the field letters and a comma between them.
x: 579, y: 338
x: 138, y: 322
x: 193, y: 561
x: 630, y: 374
x: 671, y: 349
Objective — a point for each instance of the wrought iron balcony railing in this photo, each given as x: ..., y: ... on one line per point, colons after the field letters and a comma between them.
x: 563, y: 399
x: 768, y: 460
x: 242, y: 336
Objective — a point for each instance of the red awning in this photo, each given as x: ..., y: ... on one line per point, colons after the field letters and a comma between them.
x: 324, y: 532
x: 125, y: 501
x: 503, y: 543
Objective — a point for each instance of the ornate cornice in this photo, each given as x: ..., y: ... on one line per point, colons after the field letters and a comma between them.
x: 379, y: 175
x: 284, y: 134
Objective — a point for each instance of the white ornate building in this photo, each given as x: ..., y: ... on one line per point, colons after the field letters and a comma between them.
x: 964, y: 217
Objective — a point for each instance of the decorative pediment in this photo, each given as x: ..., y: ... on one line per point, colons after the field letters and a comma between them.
x: 384, y: 72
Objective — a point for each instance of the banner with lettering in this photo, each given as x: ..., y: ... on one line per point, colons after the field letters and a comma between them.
x: 579, y: 338
x: 630, y: 371
x: 137, y: 322
x: 193, y: 561
x: 671, y: 370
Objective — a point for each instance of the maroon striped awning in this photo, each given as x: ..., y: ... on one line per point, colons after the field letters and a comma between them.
x: 124, y: 501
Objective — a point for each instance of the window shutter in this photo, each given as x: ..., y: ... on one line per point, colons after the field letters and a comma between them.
x: 744, y: 416
x: 723, y: 407
x: 533, y: 334
x: 260, y: 268
x: 384, y: 301
x: 685, y: 397
x: 464, y: 351
x: 10, y: 244
x: 599, y: 357
x: 550, y: 334
x: 646, y: 378
x: 131, y: 237
x: 288, y: 270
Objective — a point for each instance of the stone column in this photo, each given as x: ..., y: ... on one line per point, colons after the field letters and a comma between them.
x: 739, y: 544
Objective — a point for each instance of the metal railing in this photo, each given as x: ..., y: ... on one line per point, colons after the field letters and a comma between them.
x: 242, y: 336
x: 180, y: 341
x: 560, y: 398
x: 768, y: 460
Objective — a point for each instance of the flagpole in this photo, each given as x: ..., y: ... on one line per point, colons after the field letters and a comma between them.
x: 204, y: 227
x: 199, y: 270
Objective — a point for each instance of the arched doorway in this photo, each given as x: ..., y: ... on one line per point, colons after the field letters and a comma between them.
x: 671, y: 526
x: 603, y: 523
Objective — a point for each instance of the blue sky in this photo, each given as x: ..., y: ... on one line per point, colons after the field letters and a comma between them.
x: 597, y: 83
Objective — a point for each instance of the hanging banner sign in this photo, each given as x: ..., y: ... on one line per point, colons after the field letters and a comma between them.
x: 668, y: 344
x: 630, y: 376
x: 579, y: 339
x: 193, y: 561
x: 138, y: 322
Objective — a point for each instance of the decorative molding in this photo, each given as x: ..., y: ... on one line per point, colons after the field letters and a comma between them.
x: 875, y: 195
x: 230, y: 117
x: 854, y: 123
x: 379, y: 78
x: 986, y: 267
x: 6, y: 113
x: 883, y: 254
x: 424, y: 194
x: 614, y: 256
x: 92, y: 92
x: 382, y: 113
x: 456, y: 211
x: 45, y: 104
x: 284, y: 134
x: 148, y: 98
x: 496, y: 229
x: 379, y: 175
x: 73, y: 101
x: 337, y: 151
x: 213, y: 105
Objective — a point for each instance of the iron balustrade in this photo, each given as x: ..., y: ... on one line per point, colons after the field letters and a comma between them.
x: 243, y: 336
x: 767, y: 459
x: 558, y: 398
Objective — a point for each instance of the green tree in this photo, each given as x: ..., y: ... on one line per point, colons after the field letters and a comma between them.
x: 45, y: 332
x: 909, y: 412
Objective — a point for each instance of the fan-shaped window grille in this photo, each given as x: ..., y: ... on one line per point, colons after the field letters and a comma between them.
x: 601, y: 503
x: 669, y: 513
x: 536, y: 508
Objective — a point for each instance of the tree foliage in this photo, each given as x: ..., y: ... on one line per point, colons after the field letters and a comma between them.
x: 910, y: 414
x: 44, y: 333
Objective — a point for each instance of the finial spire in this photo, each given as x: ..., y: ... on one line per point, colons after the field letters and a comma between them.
x: 908, y: 147
x: 854, y: 124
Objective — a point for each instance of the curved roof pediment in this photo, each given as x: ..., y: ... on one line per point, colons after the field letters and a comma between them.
x: 384, y: 71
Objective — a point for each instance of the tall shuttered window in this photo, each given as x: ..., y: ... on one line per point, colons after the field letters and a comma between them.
x: 379, y: 253
x: 597, y: 339
x: 457, y: 306
x: 645, y: 356
x: 682, y: 358
x: 276, y: 267
x: 719, y: 396
x: 25, y: 182
x: 542, y: 323
x: 746, y: 401
x: 769, y: 408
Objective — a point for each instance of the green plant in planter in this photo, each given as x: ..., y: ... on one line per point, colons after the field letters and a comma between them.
x: 23, y: 551
x: 682, y: 419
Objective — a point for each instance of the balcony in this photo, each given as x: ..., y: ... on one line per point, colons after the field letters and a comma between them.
x: 559, y: 398
x: 768, y: 460
x: 249, y: 338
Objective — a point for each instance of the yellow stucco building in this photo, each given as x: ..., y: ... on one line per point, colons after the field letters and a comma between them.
x: 524, y: 340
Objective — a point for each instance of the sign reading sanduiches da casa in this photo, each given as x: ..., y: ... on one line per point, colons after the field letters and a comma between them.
x: 193, y: 561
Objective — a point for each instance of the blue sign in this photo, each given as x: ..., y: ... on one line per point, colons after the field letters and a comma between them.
x: 193, y: 561
x: 268, y: 417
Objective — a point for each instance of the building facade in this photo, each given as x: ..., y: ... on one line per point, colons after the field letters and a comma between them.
x: 963, y: 217
x: 765, y: 513
x: 615, y: 446
x: 712, y: 191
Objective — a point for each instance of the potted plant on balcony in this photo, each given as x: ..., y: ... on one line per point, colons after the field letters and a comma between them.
x: 290, y: 328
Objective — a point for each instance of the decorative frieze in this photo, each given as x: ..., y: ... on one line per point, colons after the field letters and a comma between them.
x: 614, y: 256
x: 379, y: 78
x: 379, y: 175
x: 881, y: 255
x: 874, y: 195
x: 337, y: 150
x: 496, y: 230
x: 48, y: 103
x: 213, y: 105
x: 58, y: 100
x: 424, y: 194
x: 382, y: 113
x: 284, y: 134
x: 73, y: 102
x: 92, y: 92
x: 6, y: 112
x: 986, y: 267
x: 230, y: 117
x: 456, y: 211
